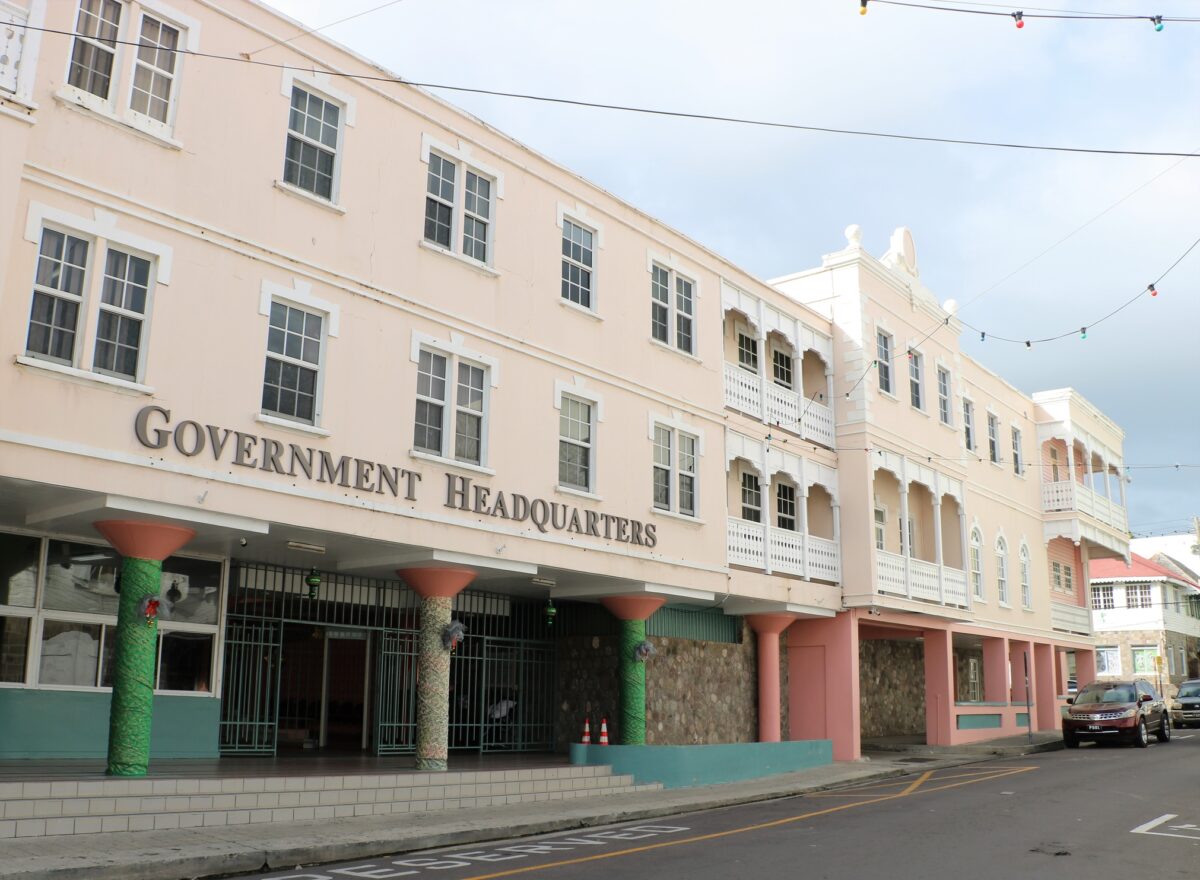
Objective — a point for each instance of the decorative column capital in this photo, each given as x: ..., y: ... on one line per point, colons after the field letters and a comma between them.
x: 138, y: 539
x: 430, y: 582
x: 638, y: 607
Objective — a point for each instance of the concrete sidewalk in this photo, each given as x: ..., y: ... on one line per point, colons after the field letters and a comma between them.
x: 199, y: 852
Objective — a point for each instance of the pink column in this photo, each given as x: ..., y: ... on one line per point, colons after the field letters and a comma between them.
x: 1061, y: 671
x: 1046, y: 705
x: 632, y: 607
x: 939, y: 687
x: 995, y: 670
x: 823, y: 685
x: 135, y: 539
x: 1085, y: 667
x: 1016, y: 656
x: 769, y: 627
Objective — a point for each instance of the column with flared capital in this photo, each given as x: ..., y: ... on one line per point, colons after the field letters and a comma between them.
x: 437, y: 588
x: 632, y: 611
x: 143, y: 546
x: 768, y: 628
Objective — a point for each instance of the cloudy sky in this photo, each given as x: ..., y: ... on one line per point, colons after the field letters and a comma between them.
x: 774, y: 201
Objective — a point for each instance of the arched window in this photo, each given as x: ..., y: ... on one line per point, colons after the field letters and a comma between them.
x: 977, y: 563
x: 1026, y: 588
x: 1001, y: 571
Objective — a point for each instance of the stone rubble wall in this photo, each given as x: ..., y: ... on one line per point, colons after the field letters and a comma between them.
x: 587, y: 687
x: 1126, y: 640
x: 892, y: 688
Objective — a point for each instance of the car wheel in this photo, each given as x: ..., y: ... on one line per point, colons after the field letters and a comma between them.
x: 1164, y: 729
x: 1070, y: 741
x: 1140, y: 738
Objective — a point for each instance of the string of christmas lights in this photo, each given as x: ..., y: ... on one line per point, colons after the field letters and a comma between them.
x: 1019, y: 16
x: 244, y: 58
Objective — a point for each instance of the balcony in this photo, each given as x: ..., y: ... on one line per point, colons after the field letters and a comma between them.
x: 785, y: 407
x: 1071, y: 496
x: 789, y: 553
x: 923, y: 581
x: 1070, y: 618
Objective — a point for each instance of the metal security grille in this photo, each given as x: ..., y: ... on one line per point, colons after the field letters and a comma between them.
x: 501, y: 676
x: 249, y: 710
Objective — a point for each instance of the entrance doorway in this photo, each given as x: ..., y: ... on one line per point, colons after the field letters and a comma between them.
x: 324, y: 681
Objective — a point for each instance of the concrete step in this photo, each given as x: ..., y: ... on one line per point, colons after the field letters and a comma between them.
x: 36, y: 809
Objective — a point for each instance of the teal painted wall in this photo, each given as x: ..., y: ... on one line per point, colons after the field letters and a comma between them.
x: 682, y: 766
x: 1022, y: 719
x: 978, y: 722
x: 74, y: 724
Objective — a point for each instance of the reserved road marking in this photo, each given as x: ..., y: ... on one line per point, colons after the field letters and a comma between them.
x: 1186, y: 830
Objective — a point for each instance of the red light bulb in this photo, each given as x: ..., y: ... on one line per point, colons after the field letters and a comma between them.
x: 1019, y: 18
x: 1153, y: 290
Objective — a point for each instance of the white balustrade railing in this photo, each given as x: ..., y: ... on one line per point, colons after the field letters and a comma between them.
x: 1070, y: 618
x: 741, y: 390
x: 889, y: 570
x: 923, y: 576
x: 954, y: 581
x: 783, y: 407
x: 818, y: 423
x: 1069, y: 495
x: 789, y: 551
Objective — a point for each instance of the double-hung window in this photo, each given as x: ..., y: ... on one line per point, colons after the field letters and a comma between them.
x: 969, y: 425
x: 674, y: 470
x: 883, y: 360
x: 673, y: 309
x: 1001, y: 571
x: 295, y: 339
x: 79, y: 279
x: 916, y: 382
x: 577, y: 258
x: 1056, y: 576
x: 880, y: 528
x: 785, y: 506
x: 943, y: 380
x: 575, y: 444
x: 1068, y: 579
x: 993, y: 429
x: 451, y: 407
x: 751, y: 498
x: 976, y: 561
x: 1108, y: 660
x: 1026, y: 584
x: 107, y: 31
x: 17, y: 41
x: 460, y: 203
x: 782, y: 367
x: 1138, y: 596
x: 1018, y: 463
x: 313, y: 142
x: 747, y: 352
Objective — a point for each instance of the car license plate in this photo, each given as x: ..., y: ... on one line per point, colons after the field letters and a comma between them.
x: 1094, y: 727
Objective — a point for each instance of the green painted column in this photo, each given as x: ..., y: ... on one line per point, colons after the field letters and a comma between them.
x: 633, y: 684
x: 433, y: 686
x: 143, y: 546
x: 133, y: 670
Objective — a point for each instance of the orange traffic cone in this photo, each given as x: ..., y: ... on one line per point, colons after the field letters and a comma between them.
x: 603, y: 731
x: 587, y: 731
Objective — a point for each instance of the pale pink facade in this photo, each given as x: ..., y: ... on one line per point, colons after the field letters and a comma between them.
x: 450, y: 322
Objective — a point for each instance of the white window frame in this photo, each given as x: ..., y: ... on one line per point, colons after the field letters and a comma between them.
x: 676, y: 428
x: 1139, y: 595
x: 1018, y: 461
x: 742, y: 332
x: 1055, y: 472
x: 916, y: 380
x: 34, y: 18
x: 945, y: 397
x: 299, y: 295
x: 577, y: 391
x: 885, y: 349
x: 752, y: 500
x: 970, y: 437
x: 101, y: 233
x: 975, y: 561
x: 319, y: 88
x: 1023, y: 563
x: 776, y: 355
x: 125, y: 60
x: 782, y: 489
x: 463, y: 159
x: 1069, y: 578
x: 1102, y: 598
x: 993, y: 432
x: 455, y: 352
x: 675, y: 277
x: 1001, y: 550
x: 1111, y: 664
x: 1144, y: 650
x: 880, y: 525
x: 575, y: 218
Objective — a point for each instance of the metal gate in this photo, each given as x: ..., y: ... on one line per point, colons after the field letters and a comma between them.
x: 519, y: 716
x: 396, y: 693
x: 249, y: 708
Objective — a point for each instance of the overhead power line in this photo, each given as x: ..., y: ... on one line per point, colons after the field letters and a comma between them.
x: 1019, y: 16
x: 244, y: 58
x: 347, y: 18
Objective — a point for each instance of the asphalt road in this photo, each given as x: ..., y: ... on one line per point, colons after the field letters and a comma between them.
x: 1095, y: 813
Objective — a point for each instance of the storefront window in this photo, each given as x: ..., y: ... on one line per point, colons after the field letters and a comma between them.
x: 191, y: 588
x: 14, y: 644
x: 82, y: 578
x: 185, y: 662
x: 18, y: 569
x: 70, y: 652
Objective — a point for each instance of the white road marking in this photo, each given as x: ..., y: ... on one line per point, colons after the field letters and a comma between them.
x: 1184, y: 735
x: 1162, y: 820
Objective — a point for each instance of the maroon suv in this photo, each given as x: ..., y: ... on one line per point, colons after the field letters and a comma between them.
x: 1116, y: 710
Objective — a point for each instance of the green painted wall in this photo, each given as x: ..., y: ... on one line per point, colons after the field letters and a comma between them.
x: 74, y: 724
x: 978, y: 722
x: 682, y: 766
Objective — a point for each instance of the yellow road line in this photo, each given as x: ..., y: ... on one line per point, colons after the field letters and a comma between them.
x: 913, y: 788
